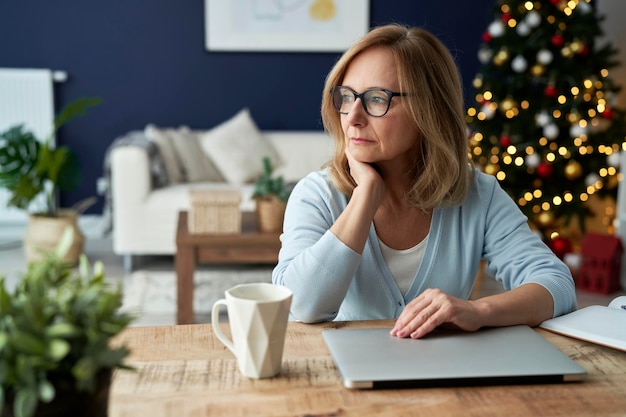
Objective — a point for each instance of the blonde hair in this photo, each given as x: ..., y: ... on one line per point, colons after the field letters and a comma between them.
x: 427, y: 72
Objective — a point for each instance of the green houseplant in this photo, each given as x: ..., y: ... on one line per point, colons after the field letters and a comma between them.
x: 55, y: 328
x: 271, y: 194
x: 30, y: 167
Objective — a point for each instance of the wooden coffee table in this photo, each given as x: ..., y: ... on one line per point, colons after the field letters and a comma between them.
x: 248, y: 247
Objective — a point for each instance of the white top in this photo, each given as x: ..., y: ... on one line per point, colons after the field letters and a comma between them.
x: 403, y: 264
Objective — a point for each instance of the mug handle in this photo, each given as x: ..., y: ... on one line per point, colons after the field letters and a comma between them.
x: 216, y: 325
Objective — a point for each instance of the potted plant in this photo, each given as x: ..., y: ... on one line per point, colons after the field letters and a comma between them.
x: 55, y: 328
x: 271, y: 194
x: 30, y: 168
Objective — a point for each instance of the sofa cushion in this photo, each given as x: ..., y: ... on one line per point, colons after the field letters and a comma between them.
x: 196, y: 166
x: 168, y: 153
x: 237, y: 148
x: 182, y: 155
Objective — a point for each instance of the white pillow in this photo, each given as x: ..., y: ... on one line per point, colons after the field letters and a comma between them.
x: 162, y: 139
x: 237, y: 148
x: 196, y: 166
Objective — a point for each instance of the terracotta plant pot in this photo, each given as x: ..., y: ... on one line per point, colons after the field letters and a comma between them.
x: 270, y: 214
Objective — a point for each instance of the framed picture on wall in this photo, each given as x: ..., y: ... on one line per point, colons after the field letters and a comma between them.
x: 284, y: 25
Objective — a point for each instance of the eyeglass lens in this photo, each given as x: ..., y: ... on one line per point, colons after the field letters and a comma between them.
x: 375, y: 101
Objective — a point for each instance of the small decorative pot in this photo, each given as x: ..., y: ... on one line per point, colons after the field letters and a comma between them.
x: 44, y: 232
x: 270, y: 214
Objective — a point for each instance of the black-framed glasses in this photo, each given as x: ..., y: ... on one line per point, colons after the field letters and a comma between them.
x: 375, y: 101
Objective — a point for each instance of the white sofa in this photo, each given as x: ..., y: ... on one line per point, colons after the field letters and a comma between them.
x: 144, y: 217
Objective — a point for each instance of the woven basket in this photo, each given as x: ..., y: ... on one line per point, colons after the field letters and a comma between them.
x: 270, y: 214
x: 43, y: 235
x: 214, y: 211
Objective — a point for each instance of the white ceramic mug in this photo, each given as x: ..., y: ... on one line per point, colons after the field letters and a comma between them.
x: 258, y: 315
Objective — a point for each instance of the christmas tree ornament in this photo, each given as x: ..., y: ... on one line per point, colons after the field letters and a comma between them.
x: 519, y: 64
x: 573, y: 170
x: 614, y: 159
x: 501, y: 57
x: 576, y: 46
x: 488, y: 111
x: 505, y: 141
x: 496, y: 29
x: 532, y: 160
x: 544, y: 56
x: 487, y: 37
x: 577, y: 131
x: 557, y: 40
x: 583, y: 7
x: 607, y: 113
x: 550, y: 91
x: 523, y: 29
x: 551, y: 131
x: 533, y: 19
x: 542, y: 118
x: 591, y: 179
x: 537, y: 70
x: 567, y: 52
x: 545, y: 170
x: 485, y: 54
x: 560, y: 246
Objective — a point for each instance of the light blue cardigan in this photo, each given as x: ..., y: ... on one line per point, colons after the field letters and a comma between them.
x: 332, y: 282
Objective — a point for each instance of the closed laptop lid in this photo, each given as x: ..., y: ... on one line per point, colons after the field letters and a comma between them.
x: 372, y: 358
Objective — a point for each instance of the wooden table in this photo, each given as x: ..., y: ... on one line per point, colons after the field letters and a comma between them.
x: 185, y: 371
x: 248, y: 247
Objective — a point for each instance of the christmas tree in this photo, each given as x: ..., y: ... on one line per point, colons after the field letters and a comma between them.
x: 545, y: 121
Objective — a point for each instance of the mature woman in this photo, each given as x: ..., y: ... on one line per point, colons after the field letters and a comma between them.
x: 397, y: 224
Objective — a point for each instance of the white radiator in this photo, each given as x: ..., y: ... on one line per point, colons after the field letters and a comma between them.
x: 26, y: 97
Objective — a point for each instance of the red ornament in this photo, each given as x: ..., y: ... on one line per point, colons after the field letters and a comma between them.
x: 486, y: 37
x: 584, y: 50
x: 544, y: 170
x: 550, y: 91
x: 505, y: 141
x: 555, y: 2
x: 560, y: 246
x: 607, y: 113
x: 557, y: 40
x: 505, y: 17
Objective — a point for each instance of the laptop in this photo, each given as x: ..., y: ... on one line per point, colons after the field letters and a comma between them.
x: 372, y: 358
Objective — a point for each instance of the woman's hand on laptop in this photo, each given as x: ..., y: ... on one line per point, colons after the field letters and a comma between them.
x: 434, y: 308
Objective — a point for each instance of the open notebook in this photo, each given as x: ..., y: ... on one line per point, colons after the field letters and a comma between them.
x: 597, y: 324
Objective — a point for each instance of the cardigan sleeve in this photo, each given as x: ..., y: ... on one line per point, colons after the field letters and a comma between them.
x: 313, y: 262
x: 517, y: 256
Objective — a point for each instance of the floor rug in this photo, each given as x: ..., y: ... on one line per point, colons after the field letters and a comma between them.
x: 153, y: 293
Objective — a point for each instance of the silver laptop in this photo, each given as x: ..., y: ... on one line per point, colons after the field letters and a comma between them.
x: 371, y: 358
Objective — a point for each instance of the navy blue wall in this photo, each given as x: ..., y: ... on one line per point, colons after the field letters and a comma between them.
x: 148, y: 62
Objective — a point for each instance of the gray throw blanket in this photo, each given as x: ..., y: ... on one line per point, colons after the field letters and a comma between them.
x: 158, y: 174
